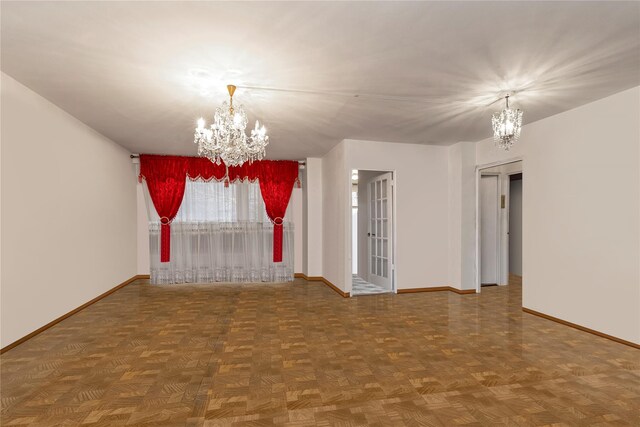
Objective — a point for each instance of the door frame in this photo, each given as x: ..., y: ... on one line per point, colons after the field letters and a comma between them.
x: 478, y: 173
x: 394, y: 240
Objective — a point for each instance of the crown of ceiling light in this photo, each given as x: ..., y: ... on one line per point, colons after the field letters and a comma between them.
x: 226, y: 141
x: 506, y: 126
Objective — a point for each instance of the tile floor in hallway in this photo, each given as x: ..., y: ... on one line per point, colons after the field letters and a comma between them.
x: 300, y: 355
x: 359, y: 286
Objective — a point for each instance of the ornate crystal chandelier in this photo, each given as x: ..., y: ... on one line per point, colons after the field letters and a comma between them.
x: 225, y: 140
x: 506, y: 126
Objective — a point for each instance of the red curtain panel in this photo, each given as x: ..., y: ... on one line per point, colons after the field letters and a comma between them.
x: 166, y: 177
x: 276, y: 183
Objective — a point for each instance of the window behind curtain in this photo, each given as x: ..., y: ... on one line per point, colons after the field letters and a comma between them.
x: 213, y: 202
x: 220, y: 234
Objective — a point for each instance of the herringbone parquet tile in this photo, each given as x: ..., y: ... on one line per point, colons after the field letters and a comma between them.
x: 299, y: 355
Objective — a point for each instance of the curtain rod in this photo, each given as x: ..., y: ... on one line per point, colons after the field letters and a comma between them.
x: 137, y: 156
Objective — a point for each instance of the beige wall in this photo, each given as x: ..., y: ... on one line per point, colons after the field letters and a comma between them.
x: 420, y: 174
x: 68, y: 212
x: 421, y: 207
x: 581, y: 214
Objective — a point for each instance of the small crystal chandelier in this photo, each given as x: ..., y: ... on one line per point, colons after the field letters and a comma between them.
x: 225, y: 140
x: 506, y: 126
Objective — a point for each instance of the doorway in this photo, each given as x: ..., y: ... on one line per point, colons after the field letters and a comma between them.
x: 499, y: 225
x: 372, y: 232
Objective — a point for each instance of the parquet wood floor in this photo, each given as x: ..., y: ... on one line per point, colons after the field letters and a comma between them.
x: 299, y: 355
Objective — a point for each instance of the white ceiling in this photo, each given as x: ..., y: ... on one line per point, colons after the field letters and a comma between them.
x: 141, y: 73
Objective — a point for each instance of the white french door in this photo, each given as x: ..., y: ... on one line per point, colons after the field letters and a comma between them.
x: 380, y: 230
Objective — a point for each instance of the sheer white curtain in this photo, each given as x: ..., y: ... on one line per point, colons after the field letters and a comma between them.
x: 220, y: 234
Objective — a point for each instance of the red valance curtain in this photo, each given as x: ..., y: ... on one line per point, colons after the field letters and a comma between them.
x: 276, y: 180
x: 166, y: 178
x: 205, y: 169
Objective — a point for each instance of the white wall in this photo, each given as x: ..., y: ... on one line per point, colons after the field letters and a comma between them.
x: 68, y: 212
x: 421, y: 200
x: 455, y: 211
x: 462, y: 216
x: 295, y: 212
x: 581, y: 213
x: 515, y: 227
x: 142, y: 224
x: 336, y: 218
x: 313, y: 222
x: 505, y: 169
